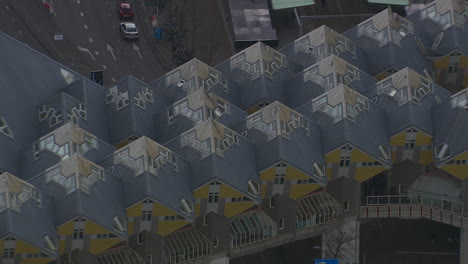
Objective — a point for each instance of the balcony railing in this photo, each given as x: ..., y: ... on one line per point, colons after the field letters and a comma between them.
x: 415, y: 206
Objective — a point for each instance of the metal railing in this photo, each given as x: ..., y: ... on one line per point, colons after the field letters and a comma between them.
x: 433, y: 202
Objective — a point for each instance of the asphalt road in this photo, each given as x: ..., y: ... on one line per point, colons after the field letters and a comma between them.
x: 91, y: 37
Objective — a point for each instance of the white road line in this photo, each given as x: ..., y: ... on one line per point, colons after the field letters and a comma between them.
x: 86, y: 26
x: 142, y: 78
x: 104, y: 67
x: 110, y: 14
x: 96, y: 52
x: 106, y: 2
x: 81, y: 14
x: 14, y: 20
x: 86, y: 50
x: 113, y: 79
x: 7, y: 8
x: 78, y: 1
x: 111, y: 50
x: 19, y: 31
x: 90, y: 40
x: 133, y: 65
x: 137, y: 49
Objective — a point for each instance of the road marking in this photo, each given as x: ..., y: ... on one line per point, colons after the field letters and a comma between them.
x: 81, y: 14
x: 110, y: 14
x: 19, y: 31
x: 96, y: 52
x: 133, y: 65
x: 90, y: 40
x: 86, y: 26
x: 104, y: 67
x: 106, y: 2
x: 113, y: 79
x: 111, y: 50
x: 78, y: 1
x: 113, y: 27
x: 86, y: 50
x: 7, y: 8
x: 137, y: 49
x: 142, y: 78
x: 14, y: 20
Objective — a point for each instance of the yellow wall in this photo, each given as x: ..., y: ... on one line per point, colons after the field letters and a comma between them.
x: 135, y: 210
x: 381, y: 76
x: 121, y: 144
x: 65, y: 229
x: 264, y: 190
x: 398, y: 139
x: 299, y: 190
x: 92, y: 228
x: 423, y: 140
x: 202, y: 192
x: 268, y: 174
x: 365, y: 173
x: 1, y: 245
x: 329, y: 174
x: 232, y: 209
x: 226, y: 191
x: 253, y: 109
x: 459, y: 171
x: 100, y: 244
x: 426, y: 157
x: 167, y: 227
x: 295, y: 174
x: 359, y: 156
x: 25, y: 248
x: 333, y: 157
x: 442, y: 63
x: 159, y: 209
x: 197, y: 209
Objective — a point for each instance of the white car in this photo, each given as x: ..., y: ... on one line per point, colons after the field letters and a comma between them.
x: 129, y: 30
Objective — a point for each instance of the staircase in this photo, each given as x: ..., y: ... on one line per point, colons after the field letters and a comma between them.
x: 415, y: 207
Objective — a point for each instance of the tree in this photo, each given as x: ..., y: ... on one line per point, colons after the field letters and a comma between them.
x: 341, y: 242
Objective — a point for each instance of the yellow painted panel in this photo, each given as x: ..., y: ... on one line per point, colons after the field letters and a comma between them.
x: 134, y: 210
x: 426, y: 157
x: 423, y: 140
x: 202, y: 192
x: 381, y: 76
x: 130, y: 227
x: 65, y: 229
x: 359, y: 156
x: 459, y: 171
x: 394, y: 155
x: 465, y: 80
x: 463, y: 62
x: 442, y: 63
x: 197, y: 209
x: 268, y: 174
x: 398, y: 139
x: 463, y: 156
x: 437, y: 77
x: 365, y: 173
x: 226, y: 191
x: 295, y: 174
x: 232, y: 209
x: 36, y: 261
x: 1, y: 245
x: 264, y: 190
x: 100, y: 244
x: 253, y: 109
x: 92, y: 228
x: 166, y: 227
x: 23, y: 247
x: 160, y: 209
x: 121, y: 144
x: 299, y: 190
x: 61, y: 246
x: 333, y: 157
x: 329, y: 173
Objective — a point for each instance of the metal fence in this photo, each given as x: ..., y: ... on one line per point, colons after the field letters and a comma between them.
x: 434, y: 202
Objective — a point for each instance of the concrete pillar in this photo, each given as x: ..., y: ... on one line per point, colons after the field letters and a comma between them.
x: 343, y: 240
x: 463, y: 245
x: 222, y: 260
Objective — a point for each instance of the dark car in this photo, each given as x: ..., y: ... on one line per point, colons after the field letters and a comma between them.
x: 125, y: 11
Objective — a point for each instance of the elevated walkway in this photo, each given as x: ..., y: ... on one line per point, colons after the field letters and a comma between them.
x: 415, y: 207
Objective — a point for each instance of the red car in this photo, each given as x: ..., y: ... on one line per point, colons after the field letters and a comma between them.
x: 125, y: 11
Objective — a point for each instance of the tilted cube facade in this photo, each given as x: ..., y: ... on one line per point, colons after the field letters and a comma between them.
x: 208, y: 159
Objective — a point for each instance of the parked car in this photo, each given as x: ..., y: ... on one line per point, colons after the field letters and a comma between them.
x: 125, y: 11
x: 129, y: 30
